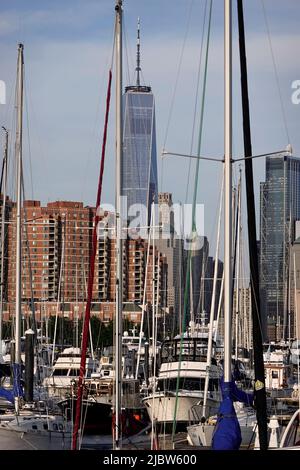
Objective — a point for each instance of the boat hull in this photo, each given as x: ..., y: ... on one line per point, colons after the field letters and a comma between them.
x: 201, y: 435
x: 162, y: 408
x: 18, y: 440
x: 98, y: 417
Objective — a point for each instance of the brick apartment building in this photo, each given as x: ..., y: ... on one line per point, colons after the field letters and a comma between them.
x: 56, y: 245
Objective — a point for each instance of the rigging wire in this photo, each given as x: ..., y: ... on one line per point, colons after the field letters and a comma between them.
x: 196, y: 100
x: 193, y: 232
x: 127, y: 52
x: 108, y: 62
x: 175, y: 88
x: 276, y: 74
x: 36, y: 122
x: 91, y: 272
x: 28, y: 133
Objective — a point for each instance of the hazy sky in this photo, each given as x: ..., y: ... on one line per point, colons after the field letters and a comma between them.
x: 68, y: 48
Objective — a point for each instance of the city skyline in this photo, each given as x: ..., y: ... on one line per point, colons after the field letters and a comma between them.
x: 67, y: 63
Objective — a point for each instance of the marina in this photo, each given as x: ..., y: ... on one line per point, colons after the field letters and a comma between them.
x: 124, y: 328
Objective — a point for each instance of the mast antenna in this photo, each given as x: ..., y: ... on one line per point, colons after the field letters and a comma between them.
x: 138, y: 56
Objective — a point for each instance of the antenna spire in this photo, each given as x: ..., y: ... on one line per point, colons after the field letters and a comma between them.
x: 138, y: 56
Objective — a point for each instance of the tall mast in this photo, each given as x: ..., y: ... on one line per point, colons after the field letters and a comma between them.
x: 259, y: 372
x: 228, y: 190
x: 119, y: 244
x: 5, y: 154
x: 213, y: 305
x: 138, y: 56
x: 238, y: 262
x: 18, y: 214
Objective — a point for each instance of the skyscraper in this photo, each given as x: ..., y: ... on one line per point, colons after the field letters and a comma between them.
x: 170, y: 244
x: 139, y: 171
x: 279, y: 208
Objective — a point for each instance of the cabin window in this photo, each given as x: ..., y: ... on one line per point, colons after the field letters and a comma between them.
x: 186, y: 384
x: 60, y: 372
x: 74, y: 372
x: 274, y: 374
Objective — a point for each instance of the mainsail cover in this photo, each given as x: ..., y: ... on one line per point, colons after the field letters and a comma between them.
x: 17, y: 391
x: 227, y: 434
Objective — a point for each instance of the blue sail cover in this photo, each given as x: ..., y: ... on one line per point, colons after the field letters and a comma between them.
x: 17, y: 387
x: 7, y: 394
x: 227, y: 434
x: 17, y: 390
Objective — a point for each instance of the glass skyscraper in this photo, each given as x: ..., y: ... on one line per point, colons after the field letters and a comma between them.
x: 279, y: 208
x: 139, y: 171
x: 139, y: 167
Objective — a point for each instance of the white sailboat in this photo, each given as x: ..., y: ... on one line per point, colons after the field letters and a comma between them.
x: 27, y: 428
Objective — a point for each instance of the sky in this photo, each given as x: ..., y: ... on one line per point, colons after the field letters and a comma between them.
x: 68, y: 52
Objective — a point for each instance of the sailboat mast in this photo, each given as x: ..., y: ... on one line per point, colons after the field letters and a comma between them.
x: 18, y: 214
x: 259, y: 372
x: 5, y: 156
x: 238, y: 263
x: 228, y: 190
x: 213, y: 304
x: 119, y: 245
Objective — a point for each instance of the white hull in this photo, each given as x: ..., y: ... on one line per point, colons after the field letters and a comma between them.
x: 13, y: 440
x: 161, y: 407
x: 17, y: 440
x: 201, y: 434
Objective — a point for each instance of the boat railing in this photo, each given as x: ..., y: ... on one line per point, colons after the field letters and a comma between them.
x: 188, y: 349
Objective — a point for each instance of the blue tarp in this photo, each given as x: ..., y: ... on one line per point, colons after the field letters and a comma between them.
x: 7, y: 394
x: 17, y: 390
x: 227, y: 434
x: 17, y: 387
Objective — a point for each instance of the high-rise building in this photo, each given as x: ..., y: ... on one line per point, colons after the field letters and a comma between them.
x: 4, y: 254
x: 242, y: 315
x: 56, y: 247
x: 199, y: 247
x: 208, y: 284
x: 56, y: 243
x: 139, y: 169
x: 279, y: 208
x: 170, y: 244
x: 294, y: 317
x: 166, y: 214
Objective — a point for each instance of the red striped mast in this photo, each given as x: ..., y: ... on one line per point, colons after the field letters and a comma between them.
x: 91, y: 275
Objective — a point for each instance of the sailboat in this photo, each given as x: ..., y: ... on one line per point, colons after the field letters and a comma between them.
x: 116, y: 417
x: 29, y: 427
